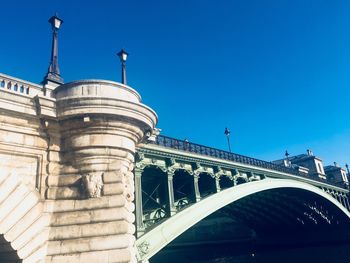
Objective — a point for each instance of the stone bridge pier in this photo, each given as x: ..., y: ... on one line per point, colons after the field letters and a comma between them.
x: 100, y: 124
x: 84, y: 198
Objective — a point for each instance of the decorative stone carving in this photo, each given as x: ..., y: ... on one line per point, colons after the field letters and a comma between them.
x: 171, y: 162
x: 162, y: 168
x: 196, y: 173
x: 151, y: 136
x: 141, y: 165
x: 92, y: 185
x: 139, y: 157
x: 196, y: 166
x: 143, y: 248
x: 253, y: 177
x: 171, y: 170
x: 235, y: 172
x: 211, y: 174
x: 220, y: 173
x: 240, y: 178
x: 170, y: 166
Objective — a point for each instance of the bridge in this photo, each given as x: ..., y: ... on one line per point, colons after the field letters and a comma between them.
x: 86, y: 177
x: 176, y: 179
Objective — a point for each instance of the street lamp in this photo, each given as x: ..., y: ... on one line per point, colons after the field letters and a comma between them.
x: 53, y: 73
x: 123, y: 55
x: 227, y: 133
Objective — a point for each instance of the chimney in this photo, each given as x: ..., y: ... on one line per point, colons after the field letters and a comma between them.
x: 336, y: 164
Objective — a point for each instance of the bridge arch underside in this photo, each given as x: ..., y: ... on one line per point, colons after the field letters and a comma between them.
x: 287, y: 223
x: 7, y: 253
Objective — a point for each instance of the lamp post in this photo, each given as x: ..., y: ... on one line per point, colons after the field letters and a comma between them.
x: 123, y: 55
x: 227, y: 134
x: 53, y: 73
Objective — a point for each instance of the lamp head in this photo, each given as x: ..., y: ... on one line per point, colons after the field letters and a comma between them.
x: 55, y: 22
x: 227, y: 132
x: 123, y: 55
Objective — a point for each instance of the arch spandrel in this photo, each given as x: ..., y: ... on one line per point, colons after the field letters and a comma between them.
x: 153, y: 241
x: 20, y: 207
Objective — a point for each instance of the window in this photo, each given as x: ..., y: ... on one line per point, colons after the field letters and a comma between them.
x: 9, y: 85
x: 21, y: 89
x: 27, y: 90
x: 2, y: 84
x: 345, y: 179
x: 15, y: 88
x: 320, y: 168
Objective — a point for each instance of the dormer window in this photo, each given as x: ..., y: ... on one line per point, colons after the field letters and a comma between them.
x: 287, y: 163
x: 345, y: 179
x: 319, y: 167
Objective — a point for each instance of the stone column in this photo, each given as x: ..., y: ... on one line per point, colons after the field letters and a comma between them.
x: 138, y: 200
x: 172, y: 209
x: 101, y: 122
x: 217, y: 183
x: 196, y: 187
x: 234, y: 174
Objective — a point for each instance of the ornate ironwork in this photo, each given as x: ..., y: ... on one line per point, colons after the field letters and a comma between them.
x: 152, y: 217
x: 185, y: 145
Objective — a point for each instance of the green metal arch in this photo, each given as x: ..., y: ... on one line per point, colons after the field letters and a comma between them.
x: 157, y: 238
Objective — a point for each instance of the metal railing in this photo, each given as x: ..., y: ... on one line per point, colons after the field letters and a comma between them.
x: 187, y: 146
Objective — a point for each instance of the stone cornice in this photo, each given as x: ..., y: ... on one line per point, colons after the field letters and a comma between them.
x: 71, y: 107
x: 17, y: 102
x: 98, y: 82
x: 101, y: 97
x: 46, y: 107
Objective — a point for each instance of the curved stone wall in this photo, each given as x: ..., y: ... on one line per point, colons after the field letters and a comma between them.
x: 100, y: 123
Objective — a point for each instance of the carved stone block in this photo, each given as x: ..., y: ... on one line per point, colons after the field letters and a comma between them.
x: 92, y: 185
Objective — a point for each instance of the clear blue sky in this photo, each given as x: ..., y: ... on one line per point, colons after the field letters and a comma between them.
x: 277, y: 73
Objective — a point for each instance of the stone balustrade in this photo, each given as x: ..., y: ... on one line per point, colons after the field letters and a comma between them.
x: 20, y: 86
